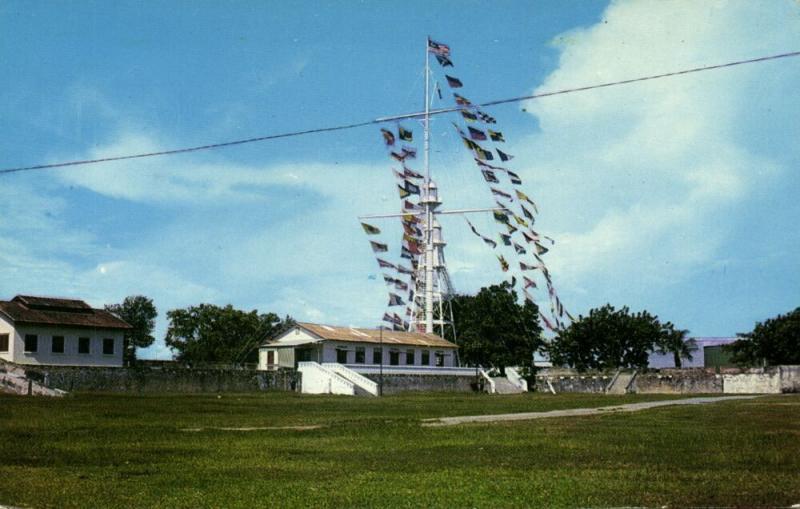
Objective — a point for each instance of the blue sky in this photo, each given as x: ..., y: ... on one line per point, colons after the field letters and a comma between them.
x: 678, y: 196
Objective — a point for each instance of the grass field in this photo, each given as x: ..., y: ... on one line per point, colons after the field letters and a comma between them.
x: 134, y: 451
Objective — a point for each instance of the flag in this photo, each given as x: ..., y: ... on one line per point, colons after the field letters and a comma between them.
x: 378, y: 247
x: 409, y: 152
x: 496, y: 135
x: 387, y: 318
x: 489, y: 176
x: 523, y: 196
x: 529, y: 282
x: 403, y: 191
x: 503, y: 263
x: 485, y: 118
x: 407, y: 205
x: 388, y: 279
x: 411, y: 173
x: 397, y: 328
x: 498, y: 192
x: 438, y: 49
x: 483, y: 154
x: 526, y: 212
x: 385, y: 265
x: 400, y: 285
x: 411, y: 238
x: 453, y: 82
x: 519, y: 249
x: 413, y: 247
x: 546, y: 322
x: 503, y: 155
x: 468, y: 116
x: 398, y: 174
x: 500, y: 217
x: 513, y: 281
x: 404, y: 270
x: 388, y: 137
x: 513, y: 177
x: 438, y: 91
x: 470, y: 144
x: 487, y: 165
x: 476, y: 134
x: 411, y: 187
x: 475, y: 231
x: 505, y: 238
x: 397, y: 319
x: 525, y: 266
x: 444, y: 61
x: 410, y: 229
x: 529, y: 238
x: 411, y: 218
x: 371, y: 230
x: 405, y: 134
x: 511, y: 228
x: 540, y: 249
x: 461, y: 100
x: 398, y: 156
x: 520, y: 221
x: 395, y: 300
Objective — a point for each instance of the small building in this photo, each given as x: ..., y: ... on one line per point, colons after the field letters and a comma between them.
x: 709, y: 354
x: 65, y: 332
x: 310, y: 342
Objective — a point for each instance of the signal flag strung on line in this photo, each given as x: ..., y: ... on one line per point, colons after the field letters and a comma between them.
x: 496, y: 136
x: 395, y: 300
x: 486, y: 239
x: 388, y: 137
x: 503, y: 155
x: 503, y: 263
x: 476, y: 134
x: 385, y: 265
x: 378, y: 247
x: 405, y: 134
x: 453, y: 82
x: 370, y: 230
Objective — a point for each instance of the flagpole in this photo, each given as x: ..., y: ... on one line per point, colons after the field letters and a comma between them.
x: 428, y: 209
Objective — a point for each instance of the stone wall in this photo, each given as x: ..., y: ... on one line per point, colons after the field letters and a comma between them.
x: 790, y: 378
x: 394, y: 384
x: 573, y: 382
x: 172, y: 379
x: 678, y: 381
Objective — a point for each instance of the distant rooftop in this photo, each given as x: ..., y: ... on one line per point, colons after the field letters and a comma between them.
x: 388, y: 337
x: 56, y: 311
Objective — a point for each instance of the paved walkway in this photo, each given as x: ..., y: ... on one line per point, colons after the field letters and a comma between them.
x: 575, y: 412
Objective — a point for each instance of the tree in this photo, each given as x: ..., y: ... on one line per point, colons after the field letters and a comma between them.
x: 495, y: 330
x: 773, y: 342
x: 611, y: 338
x: 676, y: 342
x: 140, y: 312
x: 209, y: 333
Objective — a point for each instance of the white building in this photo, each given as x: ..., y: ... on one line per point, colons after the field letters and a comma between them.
x: 324, y: 344
x: 66, y: 332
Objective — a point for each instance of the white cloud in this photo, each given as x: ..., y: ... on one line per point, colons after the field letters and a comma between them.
x: 638, y: 178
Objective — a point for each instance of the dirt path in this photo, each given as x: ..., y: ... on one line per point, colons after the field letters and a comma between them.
x: 575, y: 412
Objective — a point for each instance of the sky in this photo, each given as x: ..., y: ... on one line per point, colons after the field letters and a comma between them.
x: 678, y: 196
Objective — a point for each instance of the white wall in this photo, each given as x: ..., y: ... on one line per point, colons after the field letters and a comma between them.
x: 70, y: 357
x: 330, y: 347
x: 6, y: 328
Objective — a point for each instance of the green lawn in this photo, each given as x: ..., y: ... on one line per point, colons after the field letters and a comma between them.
x: 133, y: 451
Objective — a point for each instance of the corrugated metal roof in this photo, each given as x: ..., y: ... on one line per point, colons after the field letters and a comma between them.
x: 25, y: 309
x: 359, y: 335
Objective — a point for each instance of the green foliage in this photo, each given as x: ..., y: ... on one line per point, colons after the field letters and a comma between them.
x: 774, y: 341
x: 209, y: 333
x: 140, y: 312
x: 611, y: 338
x: 494, y: 330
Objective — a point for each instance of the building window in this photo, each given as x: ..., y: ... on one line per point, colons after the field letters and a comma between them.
x: 108, y: 346
x: 31, y: 343
x: 57, y: 345
x: 361, y: 355
x: 3, y: 342
x: 426, y: 358
x: 394, y: 358
x: 410, y: 357
x: 341, y: 356
x: 377, y: 356
x: 84, y: 345
x: 439, y: 359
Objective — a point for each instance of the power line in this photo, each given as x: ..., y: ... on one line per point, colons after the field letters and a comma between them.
x: 394, y: 117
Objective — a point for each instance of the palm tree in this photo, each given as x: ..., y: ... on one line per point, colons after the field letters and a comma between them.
x: 677, y: 342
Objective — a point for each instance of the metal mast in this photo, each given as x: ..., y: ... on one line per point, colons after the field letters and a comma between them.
x: 427, y: 200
